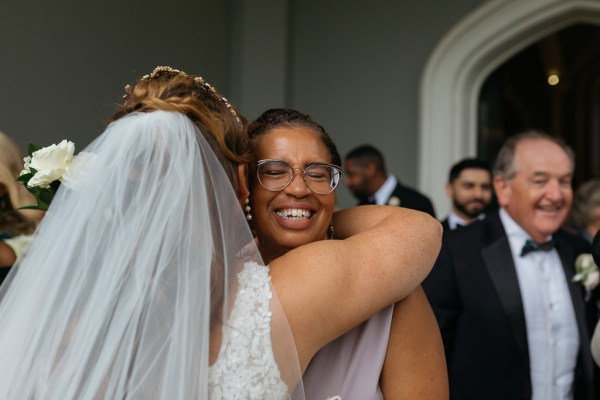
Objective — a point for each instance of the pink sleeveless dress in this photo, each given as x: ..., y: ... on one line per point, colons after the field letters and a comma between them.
x: 350, y: 366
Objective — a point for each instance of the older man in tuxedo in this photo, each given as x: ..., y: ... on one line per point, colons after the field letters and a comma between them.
x: 514, y: 325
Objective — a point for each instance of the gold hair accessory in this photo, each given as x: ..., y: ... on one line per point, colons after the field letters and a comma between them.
x: 200, y: 83
x: 209, y: 88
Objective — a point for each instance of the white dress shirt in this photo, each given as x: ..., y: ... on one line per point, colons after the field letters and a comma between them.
x: 385, y: 191
x: 552, y: 333
x: 454, y: 220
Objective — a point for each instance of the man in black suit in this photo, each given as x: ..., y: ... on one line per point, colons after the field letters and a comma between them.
x: 470, y: 189
x: 514, y: 325
x: 367, y: 178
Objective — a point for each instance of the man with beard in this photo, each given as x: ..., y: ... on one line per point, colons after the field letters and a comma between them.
x: 470, y: 189
x: 367, y: 178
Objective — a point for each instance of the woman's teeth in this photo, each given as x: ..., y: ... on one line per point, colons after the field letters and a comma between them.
x: 294, y: 214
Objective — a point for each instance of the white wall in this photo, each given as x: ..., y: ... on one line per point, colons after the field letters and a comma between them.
x: 64, y: 63
x: 355, y: 66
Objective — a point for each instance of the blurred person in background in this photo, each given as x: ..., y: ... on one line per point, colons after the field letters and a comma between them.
x: 369, y: 181
x: 16, y: 225
x: 585, y: 213
x: 470, y: 189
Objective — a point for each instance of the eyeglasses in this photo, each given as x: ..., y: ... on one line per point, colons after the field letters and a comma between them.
x: 276, y: 175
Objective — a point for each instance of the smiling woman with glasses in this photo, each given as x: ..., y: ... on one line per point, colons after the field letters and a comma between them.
x: 292, y: 195
x: 291, y: 204
x: 276, y: 175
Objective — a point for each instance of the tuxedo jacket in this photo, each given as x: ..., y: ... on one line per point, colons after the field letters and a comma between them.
x: 475, y: 295
x: 446, y: 225
x: 412, y: 199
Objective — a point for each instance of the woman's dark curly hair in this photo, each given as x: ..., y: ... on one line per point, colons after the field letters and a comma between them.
x: 287, y: 118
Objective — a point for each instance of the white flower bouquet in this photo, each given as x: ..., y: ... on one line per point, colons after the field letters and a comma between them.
x: 586, y: 272
x: 44, y: 170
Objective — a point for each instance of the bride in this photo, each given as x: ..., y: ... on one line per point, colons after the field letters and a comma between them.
x: 144, y: 282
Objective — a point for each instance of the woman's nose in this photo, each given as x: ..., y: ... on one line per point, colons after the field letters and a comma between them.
x: 298, y: 186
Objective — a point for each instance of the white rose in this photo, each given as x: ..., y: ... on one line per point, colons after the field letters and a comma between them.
x: 26, y: 169
x: 592, y: 280
x: 587, y: 272
x: 394, y: 201
x: 51, y: 163
x: 587, y: 261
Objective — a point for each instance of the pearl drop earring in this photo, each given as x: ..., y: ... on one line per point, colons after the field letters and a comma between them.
x: 248, y: 209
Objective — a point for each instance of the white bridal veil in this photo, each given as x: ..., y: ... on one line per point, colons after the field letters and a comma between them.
x: 139, y: 248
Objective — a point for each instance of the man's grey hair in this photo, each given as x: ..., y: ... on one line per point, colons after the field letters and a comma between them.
x: 504, y: 164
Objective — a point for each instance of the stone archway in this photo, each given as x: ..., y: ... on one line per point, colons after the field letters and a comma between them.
x: 460, y: 63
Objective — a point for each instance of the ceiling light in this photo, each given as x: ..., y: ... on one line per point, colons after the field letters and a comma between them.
x: 553, y: 79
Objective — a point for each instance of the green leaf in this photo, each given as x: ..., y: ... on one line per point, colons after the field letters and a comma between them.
x: 55, y: 185
x: 25, y: 177
x: 46, y: 196
x: 42, y: 204
x: 33, y: 148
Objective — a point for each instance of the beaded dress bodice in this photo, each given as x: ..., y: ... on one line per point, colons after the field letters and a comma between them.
x: 246, y: 367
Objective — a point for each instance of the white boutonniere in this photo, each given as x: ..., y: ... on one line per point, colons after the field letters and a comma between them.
x: 394, y: 201
x: 586, y: 273
x: 44, y: 169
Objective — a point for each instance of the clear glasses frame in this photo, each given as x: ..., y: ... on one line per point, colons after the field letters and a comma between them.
x: 276, y: 175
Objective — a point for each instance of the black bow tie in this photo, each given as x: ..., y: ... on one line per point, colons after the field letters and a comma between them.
x: 531, y: 246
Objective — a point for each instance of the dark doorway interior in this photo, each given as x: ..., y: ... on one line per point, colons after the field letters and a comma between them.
x: 518, y: 96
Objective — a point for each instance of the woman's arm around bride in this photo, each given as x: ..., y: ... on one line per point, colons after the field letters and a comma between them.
x: 328, y: 287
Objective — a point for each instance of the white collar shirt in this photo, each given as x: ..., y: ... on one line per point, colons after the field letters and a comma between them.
x: 552, y: 333
x: 385, y: 191
x: 454, y: 220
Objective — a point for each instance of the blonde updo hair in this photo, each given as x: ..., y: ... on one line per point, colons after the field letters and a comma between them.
x: 223, y: 128
x: 169, y: 89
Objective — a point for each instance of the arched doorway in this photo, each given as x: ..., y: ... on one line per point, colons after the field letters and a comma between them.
x: 551, y: 85
x: 461, y: 62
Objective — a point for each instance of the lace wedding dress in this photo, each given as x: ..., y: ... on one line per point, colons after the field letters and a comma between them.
x: 246, y: 367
